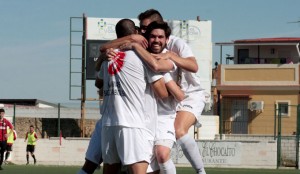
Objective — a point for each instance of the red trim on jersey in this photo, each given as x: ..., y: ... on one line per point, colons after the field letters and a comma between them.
x: 4, y: 123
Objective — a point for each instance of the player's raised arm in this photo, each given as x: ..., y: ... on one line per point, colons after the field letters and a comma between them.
x: 120, y: 41
x: 157, y: 65
x: 160, y: 89
x: 187, y: 63
x: 173, y: 88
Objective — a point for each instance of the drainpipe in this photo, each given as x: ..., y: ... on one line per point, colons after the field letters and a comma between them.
x: 221, y: 54
x: 297, y: 48
x: 258, y: 52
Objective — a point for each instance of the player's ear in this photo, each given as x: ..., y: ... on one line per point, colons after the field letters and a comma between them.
x: 137, y: 29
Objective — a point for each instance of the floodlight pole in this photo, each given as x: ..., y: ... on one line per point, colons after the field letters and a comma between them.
x: 83, y: 80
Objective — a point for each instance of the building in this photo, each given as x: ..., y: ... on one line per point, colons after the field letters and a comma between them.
x: 261, y: 83
x: 49, y: 119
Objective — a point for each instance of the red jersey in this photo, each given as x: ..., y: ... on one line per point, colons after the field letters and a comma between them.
x: 3, y: 128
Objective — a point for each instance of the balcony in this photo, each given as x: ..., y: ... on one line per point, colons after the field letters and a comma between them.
x: 239, y: 76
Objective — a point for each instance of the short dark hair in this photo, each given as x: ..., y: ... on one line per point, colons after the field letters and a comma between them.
x: 151, y: 14
x: 158, y: 25
x: 31, y: 126
x: 125, y: 27
x: 2, y: 110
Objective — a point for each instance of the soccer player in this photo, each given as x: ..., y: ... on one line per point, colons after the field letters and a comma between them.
x: 157, y: 35
x: 4, y: 123
x: 189, y: 110
x: 126, y: 137
x: 30, y: 148
x: 191, y: 107
x: 94, y: 155
x: 10, y: 141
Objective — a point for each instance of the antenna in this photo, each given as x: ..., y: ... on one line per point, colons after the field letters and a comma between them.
x: 295, y: 22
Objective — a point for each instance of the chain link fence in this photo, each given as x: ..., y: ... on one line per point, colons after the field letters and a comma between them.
x: 53, y: 120
x: 273, y: 122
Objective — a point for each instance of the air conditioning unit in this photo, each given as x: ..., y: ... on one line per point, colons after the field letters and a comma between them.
x: 256, y: 105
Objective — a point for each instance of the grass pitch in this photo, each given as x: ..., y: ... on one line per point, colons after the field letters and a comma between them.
x: 41, y: 169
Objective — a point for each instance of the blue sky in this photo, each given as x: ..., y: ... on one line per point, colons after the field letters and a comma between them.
x: 34, y: 34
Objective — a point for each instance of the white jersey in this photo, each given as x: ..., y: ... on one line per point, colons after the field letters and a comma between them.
x: 167, y: 106
x: 151, y: 111
x: 189, y: 81
x: 125, y: 80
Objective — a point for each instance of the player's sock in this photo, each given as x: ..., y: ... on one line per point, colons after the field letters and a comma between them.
x: 34, y: 159
x: 27, y: 158
x: 7, y: 155
x: 81, y: 172
x: 201, y: 171
x: 89, y: 167
x: 167, y: 167
x: 191, y: 152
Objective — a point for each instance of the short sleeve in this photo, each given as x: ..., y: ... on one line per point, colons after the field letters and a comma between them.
x: 180, y: 47
x: 152, y: 76
x: 101, y: 71
x: 9, y: 124
x: 167, y: 77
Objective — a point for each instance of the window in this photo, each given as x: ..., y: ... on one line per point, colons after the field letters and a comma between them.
x: 283, y: 106
x: 243, y: 56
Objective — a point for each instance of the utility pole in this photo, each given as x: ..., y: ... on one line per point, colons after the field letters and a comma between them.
x: 83, y: 84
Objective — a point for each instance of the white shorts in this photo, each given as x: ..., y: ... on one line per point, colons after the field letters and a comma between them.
x: 153, y: 166
x: 193, y: 103
x: 125, y: 145
x: 93, y: 152
x: 165, y: 128
x: 165, y: 136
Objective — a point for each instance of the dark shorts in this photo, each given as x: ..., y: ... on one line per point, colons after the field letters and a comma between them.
x: 3, y: 146
x: 9, y: 147
x: 30, y: 148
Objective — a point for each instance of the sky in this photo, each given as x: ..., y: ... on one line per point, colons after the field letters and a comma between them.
x: 35, y: 35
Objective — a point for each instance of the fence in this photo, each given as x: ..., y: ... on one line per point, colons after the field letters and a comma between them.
x: 49, y: 121
x: 287, y: 146
x: 279, y: 122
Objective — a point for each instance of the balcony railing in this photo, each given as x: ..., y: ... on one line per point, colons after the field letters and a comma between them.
x: 252, y: 60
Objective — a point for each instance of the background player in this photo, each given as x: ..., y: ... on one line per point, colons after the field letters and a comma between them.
x: 10, y: 141
x: 4, y: 123
x: 30, y: 148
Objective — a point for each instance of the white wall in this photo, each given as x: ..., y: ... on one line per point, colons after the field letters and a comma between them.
x: 246, y: 154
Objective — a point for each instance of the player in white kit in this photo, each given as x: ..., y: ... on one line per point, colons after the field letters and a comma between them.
x: 189, y: 110
x: 125, y: 136
x: 157, y: 35
x: 93, y: 157
x: 125, y: 93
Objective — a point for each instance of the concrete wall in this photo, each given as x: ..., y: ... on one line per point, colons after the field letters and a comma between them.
x: 50, y: 152
x: 288, y: 145
x: 237, y: 154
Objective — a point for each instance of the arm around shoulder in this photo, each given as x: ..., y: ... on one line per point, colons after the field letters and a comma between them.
x: 188, y: 63
x: 120, y: 41
x: 175, y: 90
x: 157, y: 65
x: 160, y: 89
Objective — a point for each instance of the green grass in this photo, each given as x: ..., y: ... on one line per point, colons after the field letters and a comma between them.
x: 40, y: 169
